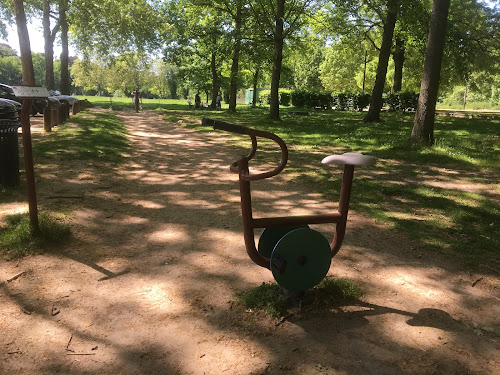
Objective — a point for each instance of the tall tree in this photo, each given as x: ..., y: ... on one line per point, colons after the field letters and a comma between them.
x: 278, y: 20
x: 29, y: 80
x: 389, y: 21
x: 423, y: 125
x: 199, y: 44
x: 49, y: 36
x: 109, y: 27
x: 398, y: 55
x: 63, y: 21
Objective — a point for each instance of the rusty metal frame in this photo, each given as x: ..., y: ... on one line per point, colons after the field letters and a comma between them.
x: 245, y: 177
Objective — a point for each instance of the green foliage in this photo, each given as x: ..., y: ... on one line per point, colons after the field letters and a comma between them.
x: 360, y: 101
x: 285, y: 97
x: 341, y: 101
x: 11, y: 70
x: 264, y: 96
x: 6, y: 50
x: 306, y: 99
x: 110, y: 27
x: 402, y: 101
x: 17, y: 239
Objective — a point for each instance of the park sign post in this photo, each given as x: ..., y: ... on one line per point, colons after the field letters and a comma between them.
x: 29, y: 94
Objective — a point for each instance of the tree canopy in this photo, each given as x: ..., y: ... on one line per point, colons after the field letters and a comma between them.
x: 224, y: 46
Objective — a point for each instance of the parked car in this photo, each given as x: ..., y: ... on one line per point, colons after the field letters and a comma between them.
x: 8, y: 110
x: 59, y: 96
x: 6, y: 92
x: 18, y: 105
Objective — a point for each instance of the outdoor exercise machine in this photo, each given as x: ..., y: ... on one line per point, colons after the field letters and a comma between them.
x: 298, y: 257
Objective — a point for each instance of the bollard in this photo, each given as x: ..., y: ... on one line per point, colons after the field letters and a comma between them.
x: 47, y: 125
x: 60, y: 114
x: 9, y: 153
x: 76, y: 107
x: 53, y: 115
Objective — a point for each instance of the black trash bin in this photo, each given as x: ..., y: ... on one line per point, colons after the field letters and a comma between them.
x: 9, y: 153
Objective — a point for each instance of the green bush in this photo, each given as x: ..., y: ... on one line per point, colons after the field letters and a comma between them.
x: 342, y: 101
x: 285, y: 97
x: 265, y: 97
x: 307, y: 99
x: 402, y: 101
x: 360, y: 101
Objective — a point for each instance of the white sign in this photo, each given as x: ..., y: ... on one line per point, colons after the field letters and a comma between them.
x: 25, y: 92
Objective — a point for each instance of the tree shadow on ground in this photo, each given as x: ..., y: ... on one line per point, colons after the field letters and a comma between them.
x: 157, y: 253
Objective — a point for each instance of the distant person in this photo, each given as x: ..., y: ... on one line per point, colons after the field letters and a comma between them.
x: 218, y: 100
x: 136, y: 94
x: 197, y: 101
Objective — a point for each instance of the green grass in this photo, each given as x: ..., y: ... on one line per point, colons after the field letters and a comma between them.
x: 17, y: 240
x: 411, y: 189
x: 331, y: 290
x: 100, y: 136
x: 269, y: 297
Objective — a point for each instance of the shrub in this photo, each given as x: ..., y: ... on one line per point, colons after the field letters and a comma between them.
x: 402, y: 101
x: 341, y: 101
x: 360, y: 101
x: 265, y: 97
x: 306, y: 99
x: 285, y: 97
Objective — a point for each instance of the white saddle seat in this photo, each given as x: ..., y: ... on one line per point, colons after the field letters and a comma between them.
x: 349, y: 158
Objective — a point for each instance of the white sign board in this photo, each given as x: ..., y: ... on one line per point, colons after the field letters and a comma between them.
x: 30, y: 92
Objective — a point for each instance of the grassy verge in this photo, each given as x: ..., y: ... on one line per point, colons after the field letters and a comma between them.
x: 88, y: 137
x: 444, y: 197
x: 17, y: 240
x: 100, y: 136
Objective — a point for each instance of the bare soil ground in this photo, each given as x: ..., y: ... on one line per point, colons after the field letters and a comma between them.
x: 146, y: 283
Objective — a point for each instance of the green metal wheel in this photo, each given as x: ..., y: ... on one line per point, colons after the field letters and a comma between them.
x: 301, y: 259
x: 271, y: 236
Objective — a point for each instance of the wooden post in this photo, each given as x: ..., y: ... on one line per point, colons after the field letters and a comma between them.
x: 28, y: 79
x: 53, y: 115
x: 47, y: 124
x: 60, y: 114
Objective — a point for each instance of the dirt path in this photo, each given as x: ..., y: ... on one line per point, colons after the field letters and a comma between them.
x: 146, y: 283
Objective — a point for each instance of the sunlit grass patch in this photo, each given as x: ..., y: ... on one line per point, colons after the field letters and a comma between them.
x: 17, y: 240
x: 269, y: 297
x: 102, y: 137
x: 333, y: 289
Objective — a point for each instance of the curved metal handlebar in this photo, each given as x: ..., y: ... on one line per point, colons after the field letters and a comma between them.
x: 221, y: 125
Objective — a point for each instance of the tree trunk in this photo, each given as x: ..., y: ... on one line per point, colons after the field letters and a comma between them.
x: 465, y: 94
x: 383, y: 60
x: 364, y: 71
x: 399, y: 58
x: 215, y: 81
x: 48, y: 46
x: 236, y: 56
x: 274, y: 110
x: 423, y: 125
x: 63, y: 7
x: 255, y: 81
x: 29, y: 80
